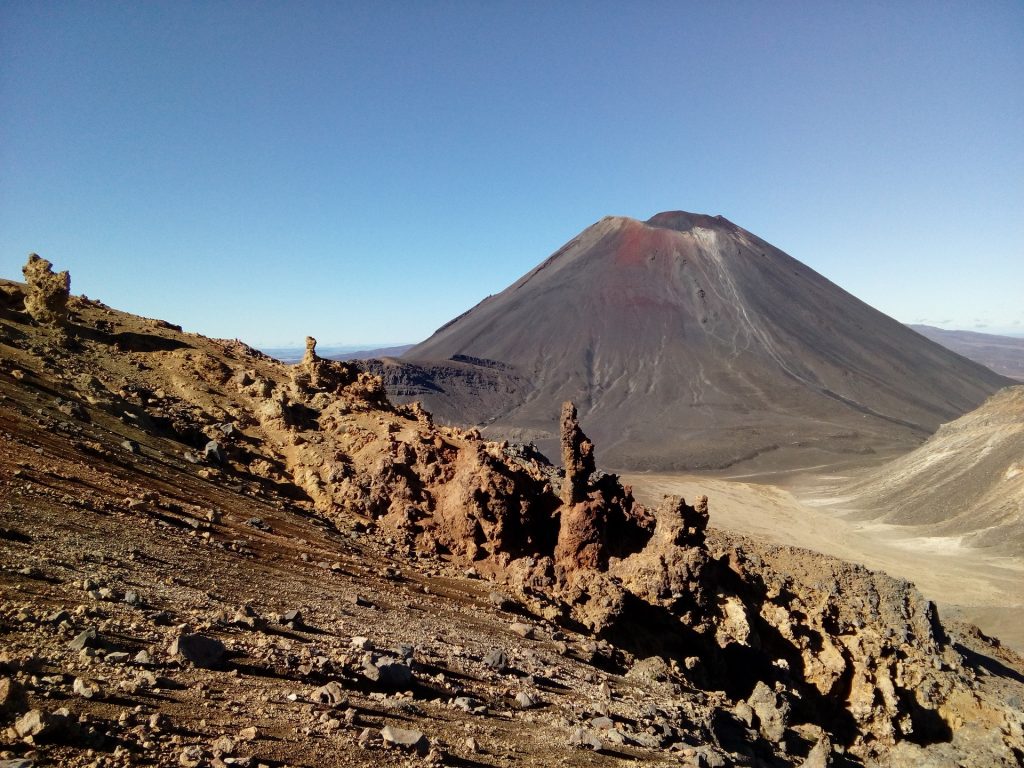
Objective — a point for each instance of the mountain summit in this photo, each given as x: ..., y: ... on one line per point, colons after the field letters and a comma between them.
x: 686, y: 342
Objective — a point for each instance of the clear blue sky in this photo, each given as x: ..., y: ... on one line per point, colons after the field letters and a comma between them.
x: 363, y: 172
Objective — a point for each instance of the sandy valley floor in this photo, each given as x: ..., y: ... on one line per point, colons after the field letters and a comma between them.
x: 804, y: 511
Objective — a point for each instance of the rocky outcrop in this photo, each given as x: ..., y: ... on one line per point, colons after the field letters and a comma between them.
x: 47, y: 293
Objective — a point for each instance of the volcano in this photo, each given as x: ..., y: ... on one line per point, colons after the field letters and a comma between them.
x: 688, y: 342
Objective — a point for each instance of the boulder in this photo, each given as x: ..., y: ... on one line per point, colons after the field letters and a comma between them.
x: 44, y: 726
x: 388, y: 672
x: 203, y: 651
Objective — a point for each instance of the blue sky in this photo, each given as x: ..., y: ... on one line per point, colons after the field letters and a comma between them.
x: 364, y: 172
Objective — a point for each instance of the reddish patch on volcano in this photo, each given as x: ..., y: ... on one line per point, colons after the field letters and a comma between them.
x: 638, y: 242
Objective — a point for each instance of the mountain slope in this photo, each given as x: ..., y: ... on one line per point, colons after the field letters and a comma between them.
x: 966, y: 481
x: 689, y: 342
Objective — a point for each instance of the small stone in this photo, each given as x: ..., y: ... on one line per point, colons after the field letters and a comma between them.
x: 191, y: 757
x: 525, y: 701
x: 653, y: 669
x: 117, y: 657
x: 602, y: 723
x: 143, y: 657
x: 223, y: 745
x: 87, y: 689
x: 522, y: 629
x: 497, y: 660
x: 469, y: 704
x: 42, y: 725
x: 404, y: 651
x: 367, y: 736
x: 246, y: 617
x: 213, y: 453
x: 248, y: 734
x: 648, y: 740
x: 615, y: 736
x: 820, y: 755
x: 361, y: 643
x: 85, y: 639
x: 293, y: 618
x: 584, y: 739
x: 130, y: 445
x: 332, y: 693
x: 58, y: 617
x: 405, y: 738
x: 362, y: 602
x: 744, y: 713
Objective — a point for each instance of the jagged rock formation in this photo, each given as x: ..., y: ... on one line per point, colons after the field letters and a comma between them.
x: 688, y: 342
x: 47, y: 295
x: 741, y: 642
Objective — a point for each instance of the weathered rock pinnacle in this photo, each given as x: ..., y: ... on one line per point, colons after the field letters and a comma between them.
x: 46, y: 300
x: 310, y: 356
x: 577, y: 456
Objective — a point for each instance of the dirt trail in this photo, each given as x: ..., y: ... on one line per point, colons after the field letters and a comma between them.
x: 965, y: 582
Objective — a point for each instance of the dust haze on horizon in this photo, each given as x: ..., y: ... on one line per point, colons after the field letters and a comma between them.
x: 184, y: 163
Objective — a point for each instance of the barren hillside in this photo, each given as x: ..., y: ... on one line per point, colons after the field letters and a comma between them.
x: 965, y: 482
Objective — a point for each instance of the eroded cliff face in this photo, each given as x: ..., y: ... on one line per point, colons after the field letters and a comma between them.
x: 795, y: 653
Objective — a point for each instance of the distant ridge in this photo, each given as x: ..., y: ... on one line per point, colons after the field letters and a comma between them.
x: 689, y: 342
x: 1003, y: 354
